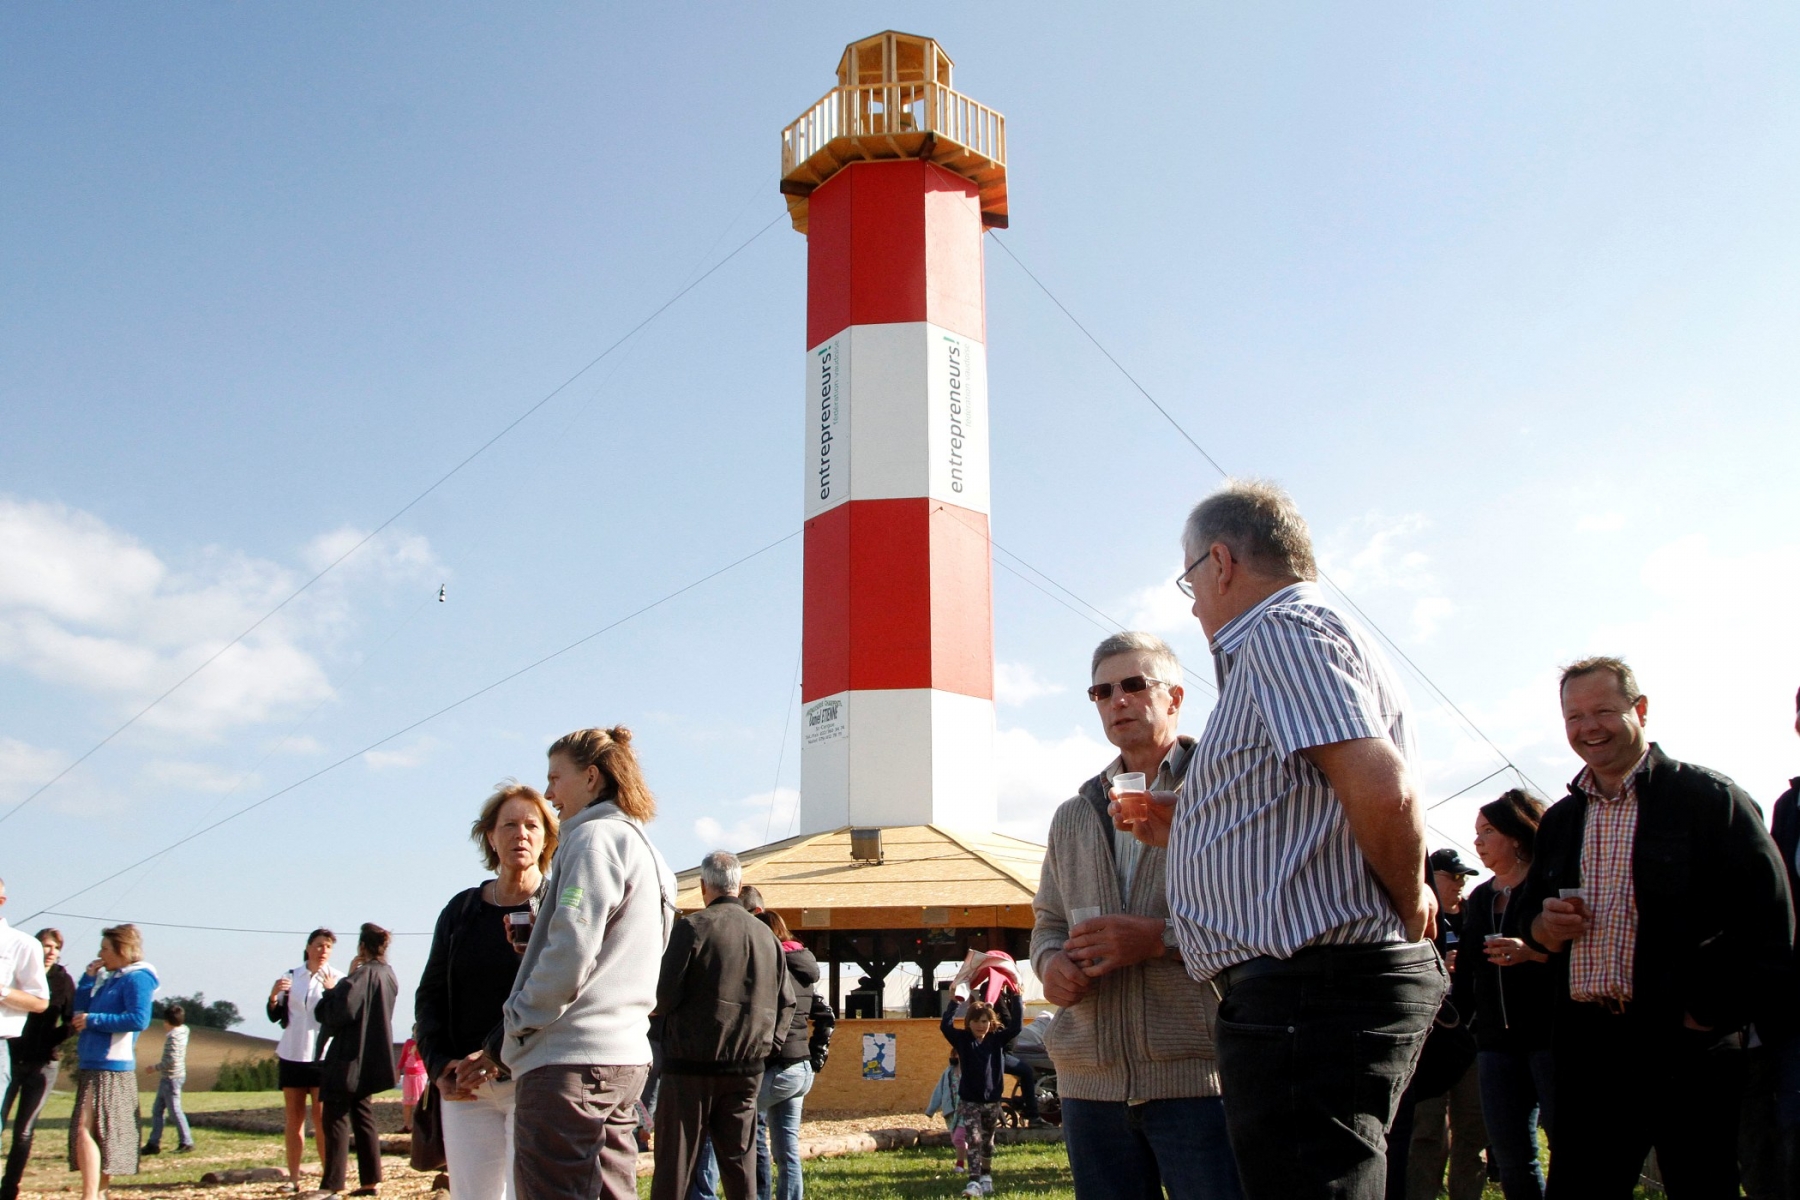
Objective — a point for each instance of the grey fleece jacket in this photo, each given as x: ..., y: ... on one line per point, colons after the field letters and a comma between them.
x: 1143, y: 1032
x: 587, y: 984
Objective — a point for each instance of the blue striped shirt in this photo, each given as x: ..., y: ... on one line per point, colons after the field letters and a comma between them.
x: 1261, y: 860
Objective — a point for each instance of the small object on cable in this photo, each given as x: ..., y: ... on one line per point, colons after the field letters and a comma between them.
x: 441, y: 589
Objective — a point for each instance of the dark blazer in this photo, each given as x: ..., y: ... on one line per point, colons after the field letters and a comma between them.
x: 726, y: 1001
x: 1786, y: 831
x: 356, y: 1032
x: 1715, y: 921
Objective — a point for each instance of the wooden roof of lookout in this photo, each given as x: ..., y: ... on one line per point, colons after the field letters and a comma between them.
x: 894, y: 100
x: 929, y: 877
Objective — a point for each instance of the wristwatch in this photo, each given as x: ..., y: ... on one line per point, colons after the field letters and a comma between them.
x: 1171, y: 947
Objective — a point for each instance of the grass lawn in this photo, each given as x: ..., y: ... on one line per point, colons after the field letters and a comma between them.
x: 214, y: 1149
x: 1039, y: 1169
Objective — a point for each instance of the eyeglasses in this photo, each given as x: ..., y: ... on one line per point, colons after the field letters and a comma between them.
x: 1181, y: 580
x: 1130, y: 685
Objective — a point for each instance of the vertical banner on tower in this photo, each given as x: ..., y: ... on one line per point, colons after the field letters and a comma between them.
x: 828, y: 424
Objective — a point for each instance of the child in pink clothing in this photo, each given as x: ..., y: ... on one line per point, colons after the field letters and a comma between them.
x: 413, y: 1081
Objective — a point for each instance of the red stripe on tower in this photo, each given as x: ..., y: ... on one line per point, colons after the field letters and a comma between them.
x: 893, y: 178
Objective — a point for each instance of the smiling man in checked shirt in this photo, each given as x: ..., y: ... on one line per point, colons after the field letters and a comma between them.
x: 1682, y: 934
x: 1296, y: 868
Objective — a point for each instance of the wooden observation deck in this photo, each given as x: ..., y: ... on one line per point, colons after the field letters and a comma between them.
x: 894, y: 100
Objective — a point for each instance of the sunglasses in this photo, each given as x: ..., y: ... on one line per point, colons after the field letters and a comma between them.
x: 1130, y: 685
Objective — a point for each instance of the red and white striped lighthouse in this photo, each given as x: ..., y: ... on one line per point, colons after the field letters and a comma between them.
x: 893, y: 177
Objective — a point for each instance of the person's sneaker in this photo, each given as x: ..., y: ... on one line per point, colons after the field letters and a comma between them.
x: 187, y: 1149
x: 974, y: 1189
x: 987, y: 1185
x: 151, y: 1150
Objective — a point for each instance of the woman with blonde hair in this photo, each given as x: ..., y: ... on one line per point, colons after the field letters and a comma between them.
x: 576, y: 1036
x: 112, y: 1006
x: 476, y: 948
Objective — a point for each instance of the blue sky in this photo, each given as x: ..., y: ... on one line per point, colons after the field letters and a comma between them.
x: 1506, y: 297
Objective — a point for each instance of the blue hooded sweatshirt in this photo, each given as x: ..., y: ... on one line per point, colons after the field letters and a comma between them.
x: 118, y: 1010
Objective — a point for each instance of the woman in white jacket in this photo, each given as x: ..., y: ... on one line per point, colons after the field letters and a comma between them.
x: 292, y: 1004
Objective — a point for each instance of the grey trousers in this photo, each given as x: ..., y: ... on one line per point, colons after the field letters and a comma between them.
x: 573, y: 1132
x: 689, y: 1108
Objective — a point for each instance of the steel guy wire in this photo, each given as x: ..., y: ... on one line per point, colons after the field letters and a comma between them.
x: 479, y: 692
x: 1201, y: 450
x: 400, y: 512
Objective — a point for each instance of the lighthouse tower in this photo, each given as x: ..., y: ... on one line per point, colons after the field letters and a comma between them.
x: 893, y: 177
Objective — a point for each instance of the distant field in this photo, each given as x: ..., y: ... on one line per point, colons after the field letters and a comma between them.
x: 207, y: 1049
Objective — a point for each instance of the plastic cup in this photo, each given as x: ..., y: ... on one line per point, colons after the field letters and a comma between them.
x: 1085, y: 912
x: 1491, y: 938
x: 1134, y: 785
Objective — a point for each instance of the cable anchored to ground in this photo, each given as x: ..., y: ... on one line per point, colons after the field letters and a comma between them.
x: 426, y: 720
x: 1214, y: 463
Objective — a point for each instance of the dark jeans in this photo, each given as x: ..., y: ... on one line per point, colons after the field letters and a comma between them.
x: 1626, y: 1084
x: 704, y: 1185
x: 30, y: 1087
x: 1027, y: 1077
x: 1120, y: 1151
x: 1517, y: 1096
x: 1314, y: 1053
x: 574, y: 1132
x: 343, y: 1115
x: 1766, y: 1147
x: 692, y: 1108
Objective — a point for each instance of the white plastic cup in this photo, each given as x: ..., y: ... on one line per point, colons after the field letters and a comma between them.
x: 1085, y: 912
x: 1129, y: 781
x: 1491, y: 938
x: 1579, y: 893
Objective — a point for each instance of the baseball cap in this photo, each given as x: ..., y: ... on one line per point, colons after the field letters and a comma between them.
x: 1453, y: 862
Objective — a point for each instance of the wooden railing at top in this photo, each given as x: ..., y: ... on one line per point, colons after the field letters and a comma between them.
x: 874, y: 110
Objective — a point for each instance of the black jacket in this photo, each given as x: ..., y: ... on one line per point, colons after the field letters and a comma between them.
x: 44, y: 1033
x: 1786, y: 832
x: 799, y: 1046
x: 1512, y: 1005
x: 983, y: 1063
x: 441, y: 1001
x: 1715, y: 922
x: 356, y: 1032
x: 724, y: 994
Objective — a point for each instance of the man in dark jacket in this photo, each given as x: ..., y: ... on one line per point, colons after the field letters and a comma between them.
x: 1663, y: 903
x: 1770, y: 1141
x: 727, y: 1005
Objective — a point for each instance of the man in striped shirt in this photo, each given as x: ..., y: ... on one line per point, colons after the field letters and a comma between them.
x: 1656, y: 887
x: 1296, y: 872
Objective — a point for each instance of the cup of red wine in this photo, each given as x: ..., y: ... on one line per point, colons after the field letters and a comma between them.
x: 518, y: 930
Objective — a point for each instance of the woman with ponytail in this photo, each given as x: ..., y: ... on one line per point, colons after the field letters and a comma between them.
x: 575, y: 1033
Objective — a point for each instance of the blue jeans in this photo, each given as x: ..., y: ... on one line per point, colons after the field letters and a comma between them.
x: 168, y: 1095
x: 1516, y: 1097
x: 1120, y: 1151
x: 778, y: 1111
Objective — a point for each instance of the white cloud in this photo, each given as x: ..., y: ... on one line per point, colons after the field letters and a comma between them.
x: 1429, y: 613
x: 1037, y: 774
x: 1161, y: 608
x: 24, y: 768
x: 402, y: 757
x: 1018, y: 683
x: 754, y: 821
x: 193, y: 776
x: 1608, y: 522
x: 87, y: 606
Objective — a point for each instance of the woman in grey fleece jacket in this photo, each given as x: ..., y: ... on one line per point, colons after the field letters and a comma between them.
x: 576, y: 1025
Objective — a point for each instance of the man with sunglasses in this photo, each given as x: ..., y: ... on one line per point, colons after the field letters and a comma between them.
x: 1297, y: 881
x: 1134, y: 1058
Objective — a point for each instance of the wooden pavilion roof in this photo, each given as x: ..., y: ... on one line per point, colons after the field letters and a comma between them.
x: 924, y: 867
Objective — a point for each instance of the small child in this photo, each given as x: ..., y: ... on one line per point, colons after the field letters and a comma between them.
x: 413, y: 1082
x: 981, y: 1045
x: 173, y: 1069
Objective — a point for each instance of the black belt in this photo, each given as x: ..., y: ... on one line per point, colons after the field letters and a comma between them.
x: 1317, y: 959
